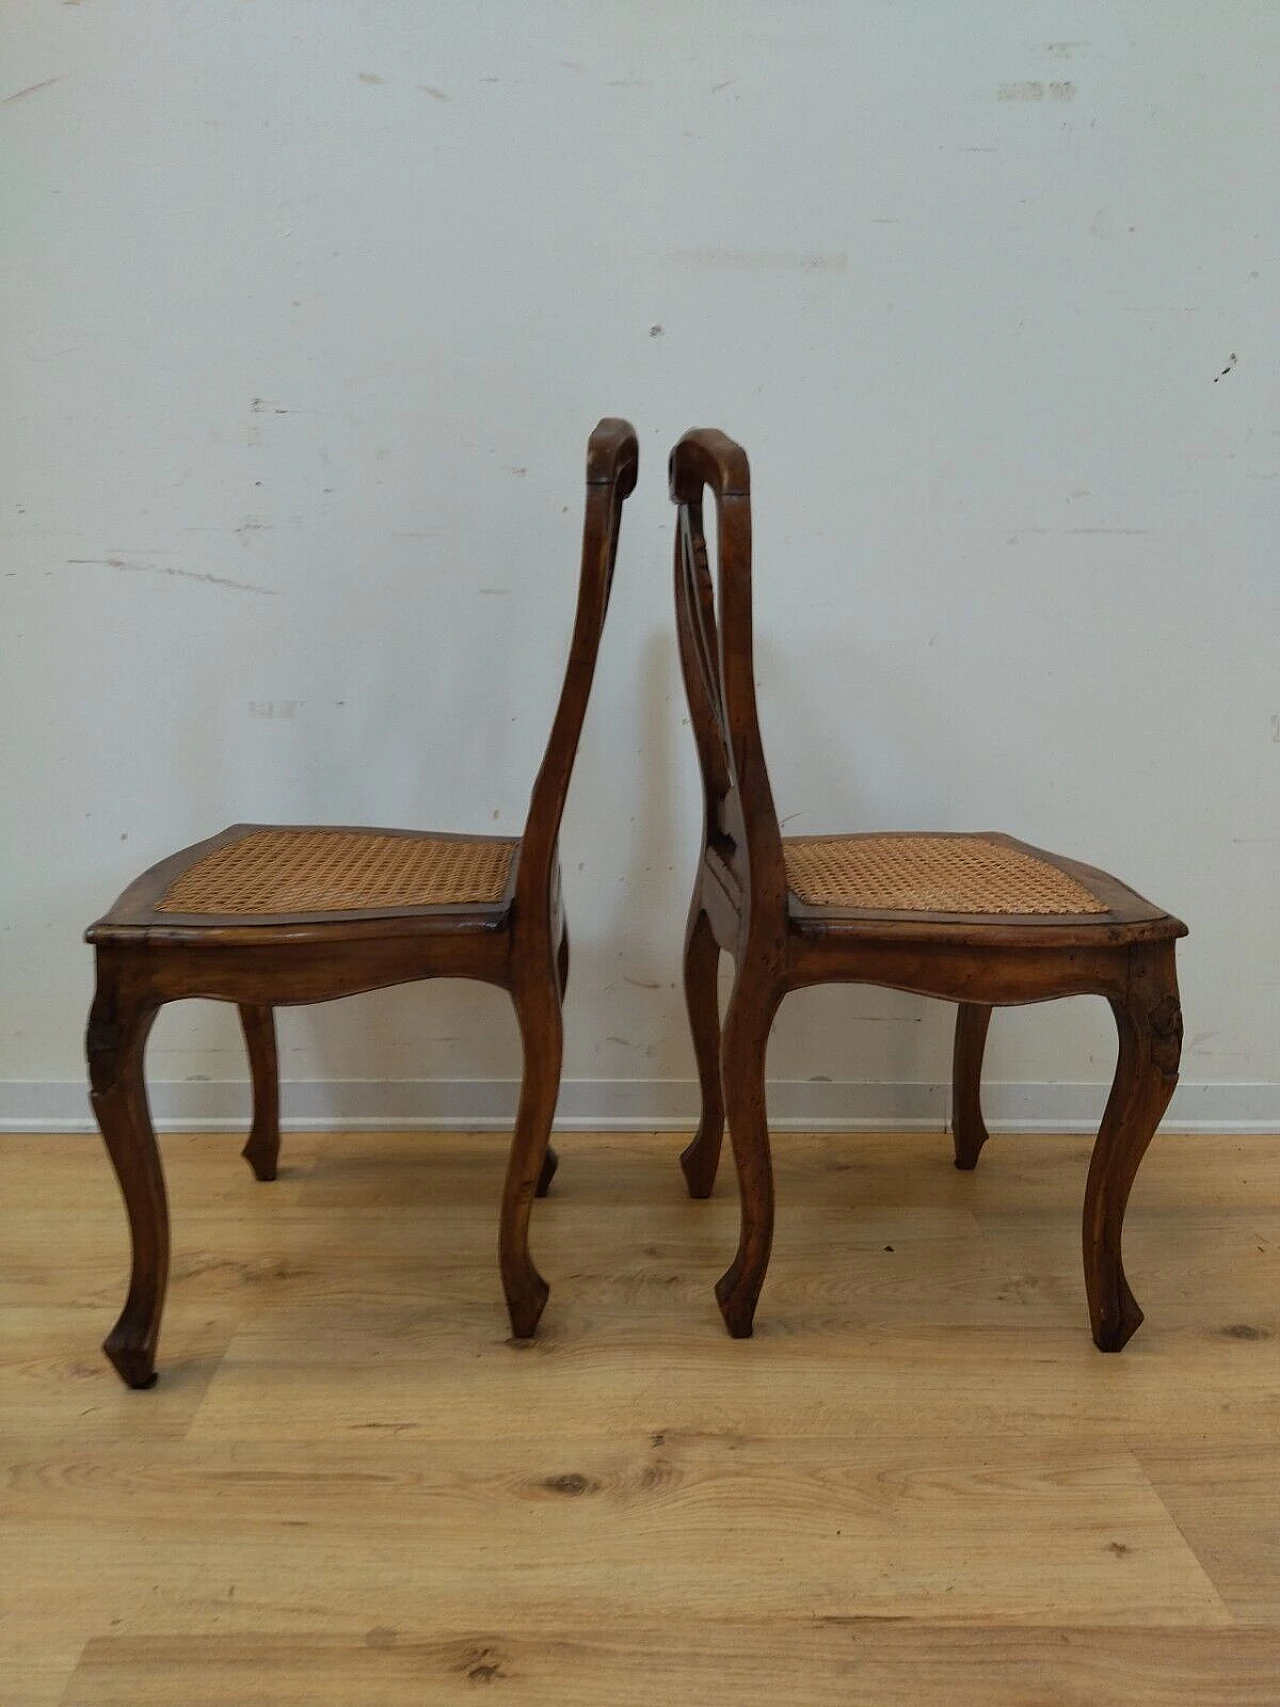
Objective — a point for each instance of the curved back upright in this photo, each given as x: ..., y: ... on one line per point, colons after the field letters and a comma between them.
x: 612, y: 464
x: 713, y: 621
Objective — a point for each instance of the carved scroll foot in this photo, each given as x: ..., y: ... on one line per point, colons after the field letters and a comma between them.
x: 701, y: 1159
x: 262, y: 1151
x: 968, y: 1129
x: 542, y: 1036
x: 746, y: 1039
x: 1149, y: 1022
x: 116, y: 1041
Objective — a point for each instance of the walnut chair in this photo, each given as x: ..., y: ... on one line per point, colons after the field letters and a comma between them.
x: 269, y: 916
x: 980, y: 920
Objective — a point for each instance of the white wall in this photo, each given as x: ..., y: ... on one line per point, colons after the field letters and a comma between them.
x: 308, y: 308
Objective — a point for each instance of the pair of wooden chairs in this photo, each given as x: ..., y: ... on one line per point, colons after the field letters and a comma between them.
x: 266, y: 916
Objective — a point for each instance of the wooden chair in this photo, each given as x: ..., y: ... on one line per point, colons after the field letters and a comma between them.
x: 275, y: 916
x: 980, y: 920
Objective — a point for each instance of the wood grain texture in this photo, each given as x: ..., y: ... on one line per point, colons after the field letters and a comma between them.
x: 918, y: 1483
x: 1226, y: 1501
x: 826, y: 1663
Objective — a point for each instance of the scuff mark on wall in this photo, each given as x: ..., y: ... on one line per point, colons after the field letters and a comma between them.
x: 1034, y: 91
x: 260, y: 406
x: 122, y: 563
x: 31, y: 89
x: 1015, y: 538
x: 762, y: 260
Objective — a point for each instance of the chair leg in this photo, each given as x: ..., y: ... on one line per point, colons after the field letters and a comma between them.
x: 262, y: 1150
x: 702, y: 998
x: 746, y: 1040
x: 1149, y: 1021
x: 537, y: 1008
x: 968, y: 1129
x: 115, y: 1045
x: 551, y: 1161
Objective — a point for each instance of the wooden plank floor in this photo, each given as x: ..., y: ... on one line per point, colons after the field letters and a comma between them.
x: 918, y: 1483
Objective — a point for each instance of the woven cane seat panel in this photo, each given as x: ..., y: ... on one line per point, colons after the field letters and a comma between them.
x: 339, y: 871
x: 929, y: 874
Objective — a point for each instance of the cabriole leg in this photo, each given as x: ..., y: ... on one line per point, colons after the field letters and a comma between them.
x: 116, y: 1041
x: 1149, y: 1021
x: 262, y: 1151
x: 552, y: 1161
x: 542, y: 1037
x: 968, y: 1129
x: 702, y: 998
x: 746, y: 1038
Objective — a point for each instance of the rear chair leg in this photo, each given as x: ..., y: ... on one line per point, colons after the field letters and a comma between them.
x: 262, y: 1150
x: 702, y: 998
x: 537, y: 1008
x: 968, y: 1129
x: 1149, y: 1021
x: 746, y: 1039
x: 115, y: 1044
x: 551, y: 1160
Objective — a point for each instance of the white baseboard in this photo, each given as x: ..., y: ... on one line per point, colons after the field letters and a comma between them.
x: 628, y: 1105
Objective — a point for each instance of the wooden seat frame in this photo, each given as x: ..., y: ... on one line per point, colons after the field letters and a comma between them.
x: 742, y: 906
x: 146, y: 958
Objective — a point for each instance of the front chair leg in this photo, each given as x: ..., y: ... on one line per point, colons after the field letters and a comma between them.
x: 968, y: 1129
x: 746, y: 1039
x: 262, y: 1150
x: 115, y: 1044
x: 537, y: 1005
x: 1149, y: 1021
x: 702, y: 998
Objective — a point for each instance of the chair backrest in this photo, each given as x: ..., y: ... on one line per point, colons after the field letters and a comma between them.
x: 713, y: 622
x: 613, y: 459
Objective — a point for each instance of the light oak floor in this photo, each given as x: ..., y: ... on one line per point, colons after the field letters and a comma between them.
x: 919, y: 1483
